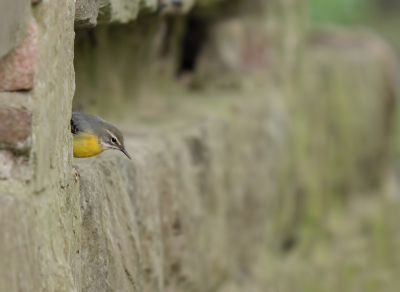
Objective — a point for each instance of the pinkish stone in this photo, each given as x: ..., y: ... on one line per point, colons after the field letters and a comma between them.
x: 17, y: 68
x: 15, y: 128
x: 6, y: 164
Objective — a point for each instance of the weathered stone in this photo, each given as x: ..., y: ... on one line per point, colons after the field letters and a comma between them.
x: 121, y: 11
x: 11, y: 167
x: 183, y: 180
x: 17, y: 100
x: 137, y: 37
x: 19, y: 251
x: 217, y: 184
x: 86, y: 12
x: 53, y: 92
x: 336, y: 57
x: 175, y: 6
x: 237, y: 51
x: 106, y: 234
x: 15, y: 128
x: 6, y: 164
x: 149, y: 6
x: 14, y: 22
x: 17, y: 69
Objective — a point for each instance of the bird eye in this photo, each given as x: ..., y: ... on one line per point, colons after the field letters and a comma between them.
x: 114, y: 140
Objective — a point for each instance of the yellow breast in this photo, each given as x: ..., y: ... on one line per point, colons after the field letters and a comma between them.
x: 86, y: 145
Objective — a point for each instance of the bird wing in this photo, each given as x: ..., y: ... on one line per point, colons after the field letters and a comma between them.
x: 82, y: 122
x: 74, y: 128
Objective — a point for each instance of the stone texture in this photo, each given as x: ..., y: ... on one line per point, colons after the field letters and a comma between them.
x: 17, y: 69
x: 114, y: 88
x: 148, y: 6
x: 108, y: 230
x: 238, y: 52
x: 17, y: 100
x: 14, y: 22
x: 15, y: 129
x: 182, y: 180
x: 6, y: 164
x: 121, y: 11
x: 42, y: 201
x: 19, y: 250
x: 86, y: 12
x: 53, y: 92
x: 228, y: 190
x: 12, y: 167
x: 341, y: 55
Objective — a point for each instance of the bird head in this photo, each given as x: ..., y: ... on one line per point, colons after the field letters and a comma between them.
x: 111, y: 138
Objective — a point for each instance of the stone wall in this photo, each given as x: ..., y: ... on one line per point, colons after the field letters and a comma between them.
x: 243, y: 128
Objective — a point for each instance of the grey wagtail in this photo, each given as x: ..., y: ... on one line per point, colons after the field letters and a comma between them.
x: 93, y: 135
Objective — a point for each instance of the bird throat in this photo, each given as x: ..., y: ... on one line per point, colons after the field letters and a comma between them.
x: 86, y: 145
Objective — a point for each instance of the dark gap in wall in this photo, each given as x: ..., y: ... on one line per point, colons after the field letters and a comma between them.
x: 194, y: 37
x: 288, y: 244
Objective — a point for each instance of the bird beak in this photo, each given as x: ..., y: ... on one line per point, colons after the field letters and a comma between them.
x: 126, y: 153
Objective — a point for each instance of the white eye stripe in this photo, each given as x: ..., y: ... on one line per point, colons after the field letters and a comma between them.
x: 119, y: 143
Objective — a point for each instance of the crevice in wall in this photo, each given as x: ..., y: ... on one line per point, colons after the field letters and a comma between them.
x: 194, y: 38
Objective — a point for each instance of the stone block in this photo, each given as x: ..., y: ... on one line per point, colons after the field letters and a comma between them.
x: 14, y: 22
x: 18, y: 67
x: 6, y: 164
x: 149, y: 6
x: 86, y: 12
x: 121, y: 11
x: 165, y: 220
x: 15, y: 129
x: 20, y: 269
x: 13, y: 167
x: 237, y: 52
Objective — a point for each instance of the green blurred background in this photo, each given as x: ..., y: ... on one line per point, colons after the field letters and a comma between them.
x: 329, y: 218
x: 381, y: 16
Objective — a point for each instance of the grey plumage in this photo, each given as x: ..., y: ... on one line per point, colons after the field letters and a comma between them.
x: 81, y: 121
x: 106, y: 133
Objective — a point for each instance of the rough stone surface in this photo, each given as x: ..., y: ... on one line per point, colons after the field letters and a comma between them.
x: 53, y: 92
x: 121, y: 11
x: 114, y: 88
x: 40, y: 198
x: 86, y: 12
x: 17, y: 100
x: 18, y: 247
x: 335, y: 57
x: 6, y: 164
x: 17, y: 69
x: 14, y: 22
x: 184, y: 181
x: 238, y: 52
x: 124, y: 11
x: 227, y: 190
x: 15, y: 128
x: 12, y: 167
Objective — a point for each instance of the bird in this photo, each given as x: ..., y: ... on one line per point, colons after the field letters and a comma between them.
x: 93, y: 135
